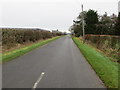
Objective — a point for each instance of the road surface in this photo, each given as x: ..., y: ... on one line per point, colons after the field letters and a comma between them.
x: 58, y: 64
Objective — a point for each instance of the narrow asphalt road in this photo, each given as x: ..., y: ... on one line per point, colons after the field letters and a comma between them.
x: 58, y: 64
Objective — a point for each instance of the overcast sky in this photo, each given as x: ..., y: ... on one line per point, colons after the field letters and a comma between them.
x: 49, y: 14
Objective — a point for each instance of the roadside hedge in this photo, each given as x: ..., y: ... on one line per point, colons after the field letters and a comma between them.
x: 11, y: 36
x: 107, y: 43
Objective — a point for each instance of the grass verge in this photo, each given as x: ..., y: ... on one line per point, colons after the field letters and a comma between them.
x: 105, y: 68
x: 18, y: 52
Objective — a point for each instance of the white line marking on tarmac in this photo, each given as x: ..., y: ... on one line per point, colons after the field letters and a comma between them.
x: 39, y: 79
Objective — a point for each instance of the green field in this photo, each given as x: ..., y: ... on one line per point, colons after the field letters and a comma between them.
x: 103, y: 66
x: 18, y: 52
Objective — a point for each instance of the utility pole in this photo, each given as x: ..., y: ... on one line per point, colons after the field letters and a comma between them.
x: 83, y: 22
x: 118, y: 7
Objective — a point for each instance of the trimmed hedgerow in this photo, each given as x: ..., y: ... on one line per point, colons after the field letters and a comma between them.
x: 107, y: 43
x: 12, y: 36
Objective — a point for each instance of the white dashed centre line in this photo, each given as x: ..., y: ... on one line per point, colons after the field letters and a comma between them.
x: 38, y: 81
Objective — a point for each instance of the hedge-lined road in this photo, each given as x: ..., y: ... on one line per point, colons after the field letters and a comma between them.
x: 58, y: 64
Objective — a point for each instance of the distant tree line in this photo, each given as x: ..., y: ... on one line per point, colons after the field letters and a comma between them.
x: 96, y: 24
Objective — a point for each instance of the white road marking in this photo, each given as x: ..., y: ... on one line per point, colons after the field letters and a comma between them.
x: 39, y: 79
